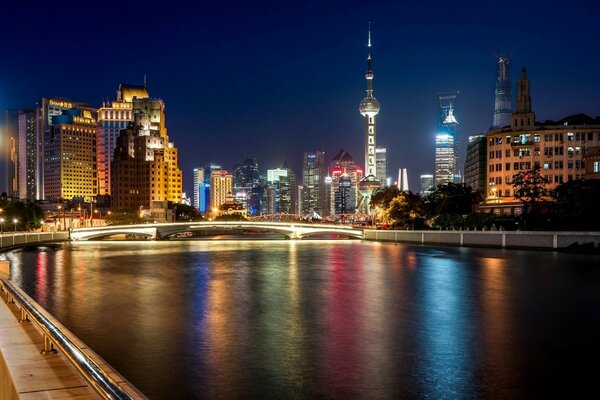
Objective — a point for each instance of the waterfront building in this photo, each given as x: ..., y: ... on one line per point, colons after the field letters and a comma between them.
x: 426, y: 184
x: 312, y: 199
x: 369, y: 108
x: 503, y: 96
x: 476, y: 163
x: 207, y: 173
x: 232, y: 208
x: 556, y: 147
x: 145, y: 166
x: 403, y: 179
x: 447, y: 168
x: 381, y: 165
x: 70, y: 156
x: 283, y: 181
x: 345, y: 178
x: 46, y: 109
x: 112, y: 117
x: 221, y: 187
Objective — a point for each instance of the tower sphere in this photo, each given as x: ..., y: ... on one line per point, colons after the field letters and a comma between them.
x: 369, y: 106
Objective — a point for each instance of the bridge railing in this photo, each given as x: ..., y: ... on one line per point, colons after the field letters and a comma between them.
x: 54, y: 335
x: 22, y: 238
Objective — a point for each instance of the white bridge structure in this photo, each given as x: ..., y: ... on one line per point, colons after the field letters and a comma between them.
x: 159, y: 231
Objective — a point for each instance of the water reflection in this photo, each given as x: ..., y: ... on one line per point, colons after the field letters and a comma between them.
x: 320, y: 319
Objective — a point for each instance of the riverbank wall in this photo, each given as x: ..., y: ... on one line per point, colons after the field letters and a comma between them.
x: 551, y: 240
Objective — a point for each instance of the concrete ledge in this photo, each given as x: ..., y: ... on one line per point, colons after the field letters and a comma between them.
x: 551, y: 240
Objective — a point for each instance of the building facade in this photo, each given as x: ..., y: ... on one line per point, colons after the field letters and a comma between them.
x: 70, y: 156
x: 503, y: 96
x: 476, y: 163
x: 381, y: 165
x: 283, y: 182
x: 447, y: 169
x: 426, y: 184
x: 199, y: 194
x: 145, y: 171
x: 221, y: 187
x: 557, y: 148
x: 114, y: 116
x: 344, y: 188
x: 313, y: 198
x: 246, y: 178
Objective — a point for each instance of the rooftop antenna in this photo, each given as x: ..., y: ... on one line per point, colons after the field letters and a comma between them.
x: 145, y: 81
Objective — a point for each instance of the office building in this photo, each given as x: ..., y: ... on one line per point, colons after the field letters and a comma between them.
x: 447, y: 168
x: 283, y: 182
x: 503, y: 96
x: 381, y: 165
x: 221, y: 187
x: 246, y: 177
x: 199, y: 199
x: 556, y: 147
x: 145, y: 171
x: 476, y: 163
x: 70, y: 156
x: 426, y: 184
x: 344, y: 188
x: 112, y: 117
x: 314, y: 171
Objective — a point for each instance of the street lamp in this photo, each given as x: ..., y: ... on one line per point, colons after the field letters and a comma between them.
x: 15, y: 221
x: 2, y: 225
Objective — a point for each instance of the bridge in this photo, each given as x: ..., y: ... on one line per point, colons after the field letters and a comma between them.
x: 159, y: 231
x: 17, y: 239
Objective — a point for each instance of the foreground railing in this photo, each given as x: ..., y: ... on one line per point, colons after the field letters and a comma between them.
x: 53, y: 336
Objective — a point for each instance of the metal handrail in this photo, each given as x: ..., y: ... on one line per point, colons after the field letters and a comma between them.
x: 100, y: 381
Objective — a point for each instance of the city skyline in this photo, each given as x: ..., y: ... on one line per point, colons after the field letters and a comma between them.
x: 297, y: 87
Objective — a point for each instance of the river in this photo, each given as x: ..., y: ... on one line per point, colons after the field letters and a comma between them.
x: 339, y: 319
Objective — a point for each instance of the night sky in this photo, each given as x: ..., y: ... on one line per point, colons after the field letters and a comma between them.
x: 273, y: 80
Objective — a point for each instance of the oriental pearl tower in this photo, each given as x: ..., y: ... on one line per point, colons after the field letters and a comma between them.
x: 369, y: 108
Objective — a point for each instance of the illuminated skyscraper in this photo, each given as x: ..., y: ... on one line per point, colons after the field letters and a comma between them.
x: 199, y: 194
x: 503, y: 95
x: 345, y: 179
x: 245, y: 179
x: 221, y: 187
x: 11, y: 149
x: 381, y: 165
x: 313, y: 184
x: 369, y: 108
x: 112, y: 117
x: 426, y: 184
x: 70, y: 156
x: 145, y: 171
x: 446, y: 141
x: 476, y: 163
x: 283, y: 182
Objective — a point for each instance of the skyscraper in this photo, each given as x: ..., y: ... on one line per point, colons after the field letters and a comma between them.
x: 476, y: 162
x: 345, y: 179
x: 503, y: 95
x: 313, y: 184
x: 446, y: 141
x: 145, y: 171
x: 369, y: 108
x: 381, y: 165
x: 112, y: 117
x: 246, y: 177
x: 283, y: 182
x: 221, y: 187
x: 199, y: 189
x: 11, y: 147
x: 48, y: 108
x: 70, y: 156
x: 426, y: 184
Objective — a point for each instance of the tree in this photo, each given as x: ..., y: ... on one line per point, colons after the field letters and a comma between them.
x: 27, y: 214
x: 577, y: 204
x: 530, y: 188
x: 451, y: 198
x: 406, y: 211
x: 187, y: 213
x: 124, y: 217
